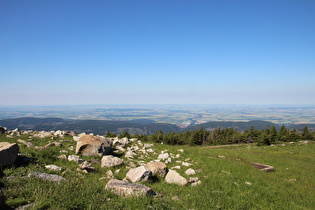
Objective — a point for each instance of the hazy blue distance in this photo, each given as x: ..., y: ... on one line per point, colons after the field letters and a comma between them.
x: 157, y: 52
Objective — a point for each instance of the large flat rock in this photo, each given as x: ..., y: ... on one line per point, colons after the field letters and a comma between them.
x: 128, y: 189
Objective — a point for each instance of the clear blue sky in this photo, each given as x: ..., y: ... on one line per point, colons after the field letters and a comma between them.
x: 55, y: 52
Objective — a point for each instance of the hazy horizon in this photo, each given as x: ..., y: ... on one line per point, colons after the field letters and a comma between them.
x: 57, y: 52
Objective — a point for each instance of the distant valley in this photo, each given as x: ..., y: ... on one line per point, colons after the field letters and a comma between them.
x: 101, y: 127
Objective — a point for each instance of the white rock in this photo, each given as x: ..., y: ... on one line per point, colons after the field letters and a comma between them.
x: 190, y: 171
x: 163, y: 156
x: 178, y: 156
x: 248, y: 183
x: 174, y: 178
x: 75, y: 158
x: 186, y: 164
x: 130, y: 154
x: 53, y: 167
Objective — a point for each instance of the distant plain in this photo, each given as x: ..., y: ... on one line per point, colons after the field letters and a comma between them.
x: 175, y: 114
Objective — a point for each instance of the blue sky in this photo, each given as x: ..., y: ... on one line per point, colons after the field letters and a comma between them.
x: 58, y: 52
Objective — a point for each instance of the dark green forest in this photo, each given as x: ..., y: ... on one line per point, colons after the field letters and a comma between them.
x: 223, y: 136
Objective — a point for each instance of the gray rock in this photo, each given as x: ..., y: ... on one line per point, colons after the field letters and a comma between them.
x: 111, y: 161
x: 91, y: 145
x: 139, y: 174
x: 8, y: 153
x: 174, y: 178
x: 48, y: 177
x: 128, y: 189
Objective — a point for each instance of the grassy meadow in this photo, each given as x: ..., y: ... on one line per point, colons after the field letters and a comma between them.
x: 229, y: 181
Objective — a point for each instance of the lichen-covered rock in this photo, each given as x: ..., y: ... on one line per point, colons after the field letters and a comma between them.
x: 91, y: 145
x: 139, y: 174
x: 111, y: 161
x: 48, y: 177
x: 174, y: 178
x: 128, y: 189
x: 157, y: 168
x: 8, y: 153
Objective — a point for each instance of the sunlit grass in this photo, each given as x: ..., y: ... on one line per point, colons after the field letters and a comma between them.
x: 229, y: 182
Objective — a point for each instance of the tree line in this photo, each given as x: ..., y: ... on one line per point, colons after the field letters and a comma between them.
x: 220, y: 136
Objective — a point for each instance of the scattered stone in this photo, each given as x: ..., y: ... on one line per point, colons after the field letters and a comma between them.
x: 157, y: 168
x: 176, y: 167
x: 111, y: 161
x: 263, y: 167
x: 174, y: 177
x: 48, y: 177
x: 225, y: 172
x: 248, y: 183
x: 54, y: 144
x: 180, y: 150
x: 150, y: 150
x: 163, y: 156
x: 130, y: 154
x: 90, y: 145
x: 121, y: 149
x: 75, y: 158
x: 53, y: 167
x: 186, y: 164
x: 196, y: 183
x: 71, y: 148
x: 117, y: 171
x: 62, y: 157
x: 110, y: 174
x: 178, y: 156
x: 128, y: 189
x: 190, y: 171
x: 221, y: 156
x: 139, y: 174
x: 193, y: 179
x: 26, y: 143
x: 87, y: 166
x: 175, y: 198
x: 8, y: 153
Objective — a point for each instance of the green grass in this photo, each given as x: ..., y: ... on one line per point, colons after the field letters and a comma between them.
x: 291, y: 186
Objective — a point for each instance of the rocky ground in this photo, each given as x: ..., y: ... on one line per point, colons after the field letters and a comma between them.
x: 141, y: 160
